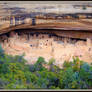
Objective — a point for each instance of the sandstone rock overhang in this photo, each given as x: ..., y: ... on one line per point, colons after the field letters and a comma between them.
x: 75, y: 28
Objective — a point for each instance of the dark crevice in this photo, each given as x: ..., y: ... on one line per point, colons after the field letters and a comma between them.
x: 37, y: 32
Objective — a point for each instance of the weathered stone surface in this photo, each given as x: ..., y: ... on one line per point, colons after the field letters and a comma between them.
x: 47, y: 48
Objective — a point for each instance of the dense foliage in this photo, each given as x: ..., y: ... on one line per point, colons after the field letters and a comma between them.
x: 15, y: 73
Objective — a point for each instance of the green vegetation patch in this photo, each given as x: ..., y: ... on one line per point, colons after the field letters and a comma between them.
x: 15, y: 73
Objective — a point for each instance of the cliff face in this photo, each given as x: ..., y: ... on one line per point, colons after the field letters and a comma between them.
x: 42, y: 45
x: 34, y: 45
x: 47, y: 8
x: 45, y: 11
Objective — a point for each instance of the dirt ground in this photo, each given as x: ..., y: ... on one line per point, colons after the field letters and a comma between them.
x: 48, y: 48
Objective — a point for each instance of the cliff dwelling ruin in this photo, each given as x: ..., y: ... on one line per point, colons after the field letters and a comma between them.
x: 37, y: 43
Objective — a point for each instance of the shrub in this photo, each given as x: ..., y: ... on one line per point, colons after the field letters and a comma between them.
x: 38, y: 66
x: 1, y: 51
